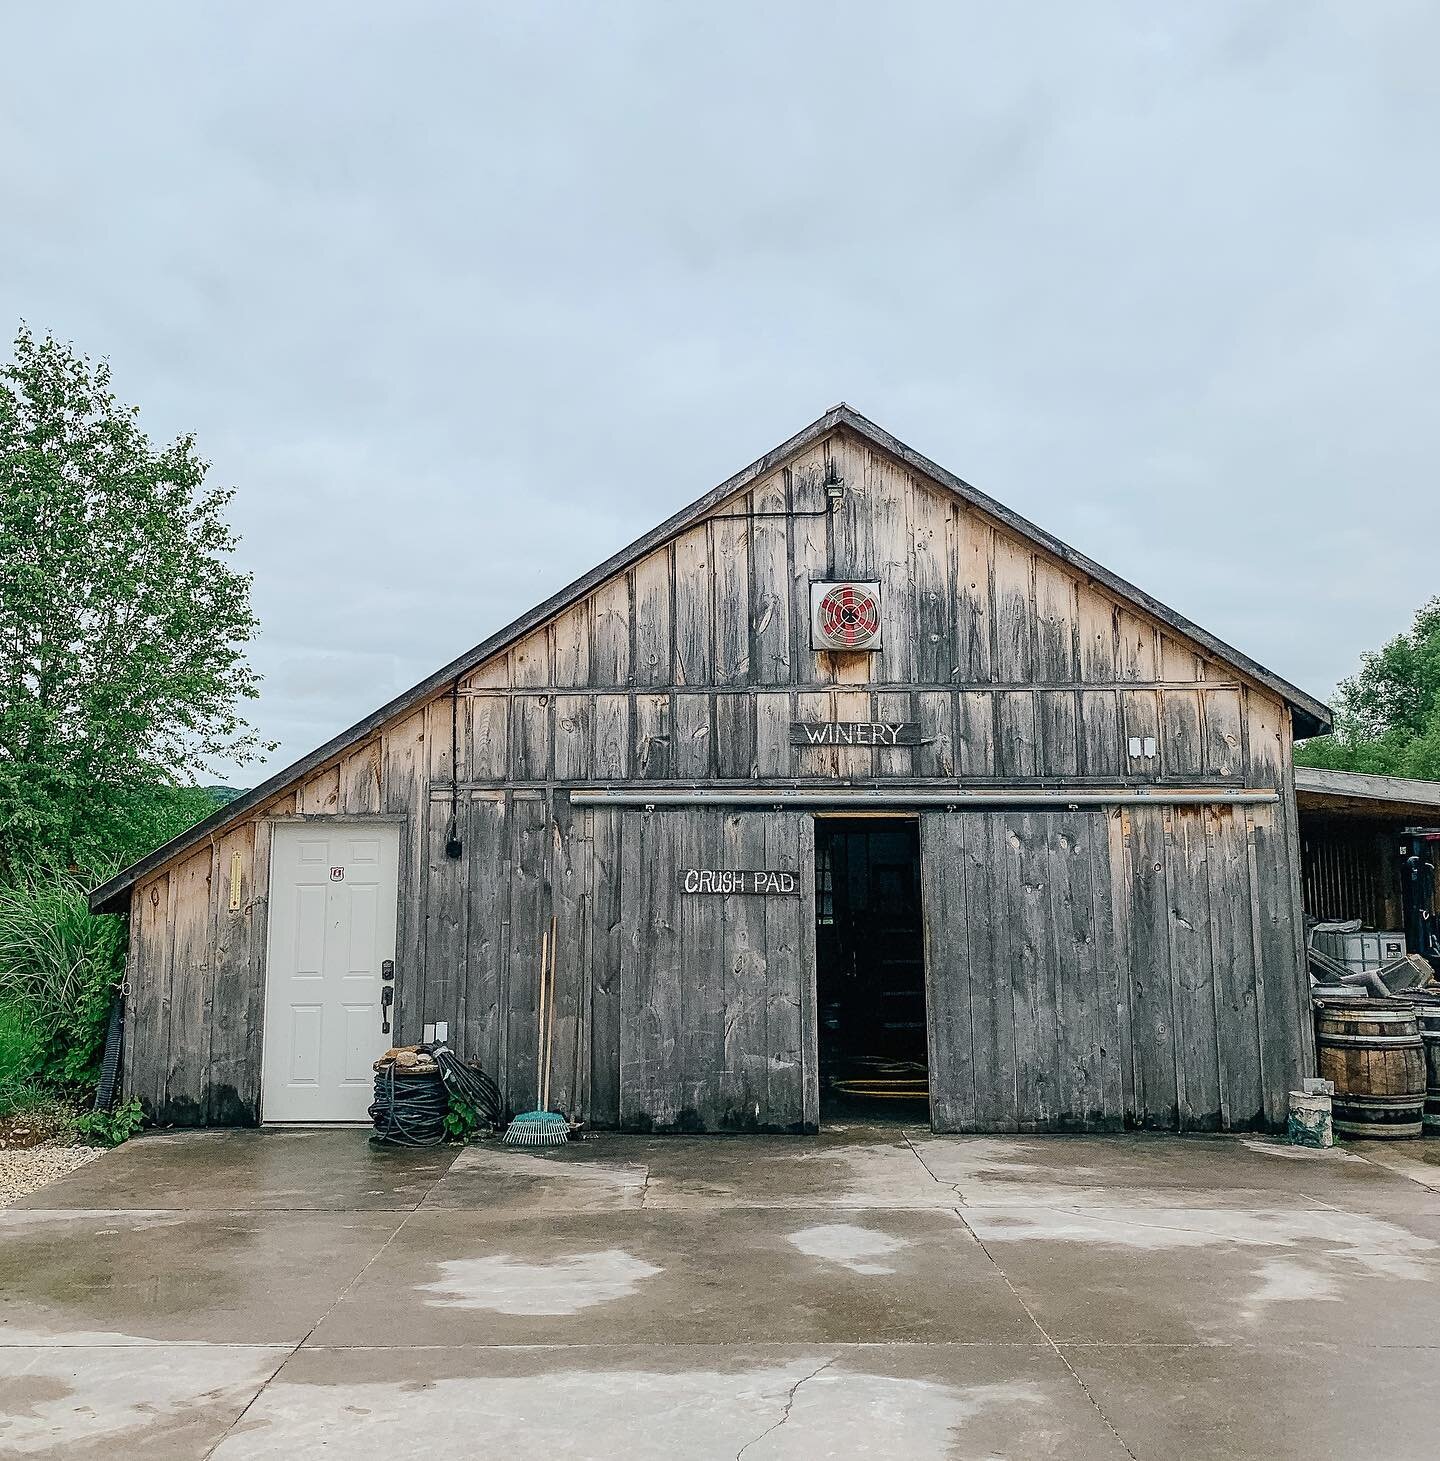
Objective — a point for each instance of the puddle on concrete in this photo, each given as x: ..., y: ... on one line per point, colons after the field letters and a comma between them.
x: 58, y: 1400
x: 506, y: 1285
x: 794, y: 1411
x: 858, y: 1249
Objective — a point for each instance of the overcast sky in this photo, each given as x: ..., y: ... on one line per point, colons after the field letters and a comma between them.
x: 462, y: 298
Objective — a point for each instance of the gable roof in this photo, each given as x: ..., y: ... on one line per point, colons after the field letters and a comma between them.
x: 1309, y: 715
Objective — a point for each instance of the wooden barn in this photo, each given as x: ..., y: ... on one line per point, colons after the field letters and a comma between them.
x: 843, y: 782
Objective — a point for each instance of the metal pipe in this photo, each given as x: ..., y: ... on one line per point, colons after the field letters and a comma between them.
x: 901, y: 797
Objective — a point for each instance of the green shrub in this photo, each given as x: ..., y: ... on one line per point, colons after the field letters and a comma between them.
x: 21, y: 1056
x: 59, y: 967
x: 110, y: 1128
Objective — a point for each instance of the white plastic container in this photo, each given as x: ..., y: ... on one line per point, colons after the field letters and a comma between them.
x: 1363, y: 950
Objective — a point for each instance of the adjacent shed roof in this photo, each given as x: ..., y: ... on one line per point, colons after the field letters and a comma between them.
x: 1310, y: 716
x: 1358, y: 793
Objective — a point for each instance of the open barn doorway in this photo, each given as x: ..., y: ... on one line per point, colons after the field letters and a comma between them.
x: 870, y: 969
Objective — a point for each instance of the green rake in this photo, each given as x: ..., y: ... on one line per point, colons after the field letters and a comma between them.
x: 542, y: 1127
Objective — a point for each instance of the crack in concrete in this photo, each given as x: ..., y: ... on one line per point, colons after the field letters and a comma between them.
x: 789, y: 1406
x: 1059, y: 1353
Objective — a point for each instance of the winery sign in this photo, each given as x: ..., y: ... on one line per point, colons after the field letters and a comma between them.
x: 736, y: 880
x: 854, y: 733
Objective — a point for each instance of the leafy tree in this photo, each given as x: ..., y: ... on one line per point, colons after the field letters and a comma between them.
x: 1387, y: 717
x: 123, y: 625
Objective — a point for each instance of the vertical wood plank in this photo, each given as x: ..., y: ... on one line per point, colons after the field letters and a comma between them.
x: 406, y: 792
x: 935, y: 755
x: 612, y: 737
x: 1059, y: 745
x: 488, y: 870
x: 1096, y: 636
x: 1192, y: 971
x: 574, y: 733
x: 360, y: 780
x: 1242, y: 1093
x: 789, y: 976
x: 1152, y: 1018
x: 1014, y: 612
x: 570, y: 646
x: 1057, y: 615
x: 735, y: 736
x: 1102, y: 751
x: 975, y: 733
x: 652, y: 737
x: 191, y: 992
x: 610, y: 633
x: 1181, y: 751
x: 770, y: 637
x: 319, y: 794
x: 530, y: 660
x: 1223, y: 755
x: 894, y: 559
x: 948, y: 991
x: 773, y: 715
x: 531, y: 738
x: 489, y: 758
x: 654, y: 652
x: 934, y: 555
x: 730, y: 556
x: 693, y: 743
x: 744, y: 1103
x: 447, y: 920
x: 569, y: 873
x: 1016, y: 738
x: 529, y: 918
x: 974, y: 629
x: 231, y: 1087
x: 607, y: 939
x: 693, y: 607
x: 809, y: 561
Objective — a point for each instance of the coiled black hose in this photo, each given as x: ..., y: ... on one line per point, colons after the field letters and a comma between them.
x: 410, y: 1106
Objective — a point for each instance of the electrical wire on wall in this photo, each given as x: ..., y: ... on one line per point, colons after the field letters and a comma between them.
x: 453, y: 846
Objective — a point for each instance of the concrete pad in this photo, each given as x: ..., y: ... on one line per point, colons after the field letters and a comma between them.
x: 494, y: 1180
x: 333, y: 1170
x: 842, y: 1167
x: 98, y: 1404
x: 745, y: 1275
x: 136, y: 1278
x: 922, y: 1403
x: 1188, y: 1275
x: 1341, y: 1402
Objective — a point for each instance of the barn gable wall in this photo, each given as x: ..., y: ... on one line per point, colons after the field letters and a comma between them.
x: 688, y: 668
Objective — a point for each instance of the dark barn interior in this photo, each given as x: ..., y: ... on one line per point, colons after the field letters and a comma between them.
x: 870, y: 967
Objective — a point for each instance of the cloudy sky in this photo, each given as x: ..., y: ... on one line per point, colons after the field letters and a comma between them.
x: 464, y: 297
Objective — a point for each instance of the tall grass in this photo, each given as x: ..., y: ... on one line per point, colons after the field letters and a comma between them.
x: 59, y: 967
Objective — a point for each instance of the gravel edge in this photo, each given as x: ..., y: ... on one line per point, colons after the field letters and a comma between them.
x: 24, y: 1170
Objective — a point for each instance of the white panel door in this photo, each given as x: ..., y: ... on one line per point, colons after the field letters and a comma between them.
x: 332, y: 923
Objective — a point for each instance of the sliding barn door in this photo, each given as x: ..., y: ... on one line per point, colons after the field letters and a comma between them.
x: 717, y: 1017
x: 1023, y: 989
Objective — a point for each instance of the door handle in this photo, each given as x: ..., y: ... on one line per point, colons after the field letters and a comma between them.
x: 387, y: 998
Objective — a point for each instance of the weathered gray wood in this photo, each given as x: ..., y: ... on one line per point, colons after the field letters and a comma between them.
x: 950, y: 943
x: 974, y: 734
x: 1192, y: 971
x: 894, y: 560
x: 809, y: 562
x: 771, y: 644
x: 360, y: 774
x: 1139, y: 719
x: 530, y: 661
x: 531, y: 738
x: 652, y: 736
x: 1080, y: 1005
x: 1242, y: 1093
x: 773, y: 715
x: 1017, y: 752
x: 1059, y: 745
x: 935, y: 755
x: 186, y: 1100
x: 694, y: 607
x: 228, y: 1088
x: 447, y: 920
x: 607, y: 943
x: 791, y: 1085
x: 1152, y: 1015
x: 574, y: 737
x: 487, y: 868
x: 1102, y: 749
x: 1056, y: 622
x: 148, y: 1024
x: 693, y: 740
x: 570, y: 857
x: 653, y: 653
x: 735, y: 736
x: 1028, y: 865
x: 744, y: 1096
x: 529, y: 918
x: 1012, y: 611
x: 1224, y: 748
x: 974, y: 620
x: 611, y: 615
x: 934, y: 555
x: 489, y: 750
x: 730, y: 550
x: 612, y: 737
x: 1181, y: 752
x: 894, y: 708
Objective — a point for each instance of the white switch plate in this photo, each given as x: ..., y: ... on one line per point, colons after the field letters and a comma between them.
x: 427, y: 1036
x: 442, y: 1030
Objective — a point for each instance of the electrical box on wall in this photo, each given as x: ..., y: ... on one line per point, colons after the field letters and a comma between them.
x: 845, y: 616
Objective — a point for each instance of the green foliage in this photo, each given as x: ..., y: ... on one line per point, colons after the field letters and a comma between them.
x: 110, y: 1128
x: 462, y: 1121
x: 1387, y: 717
x: 21, y: 1055
x: 59, y: 967
x: 123, y: 625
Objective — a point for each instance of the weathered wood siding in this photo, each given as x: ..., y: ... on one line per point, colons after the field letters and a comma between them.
x: 1094, y: 970
x: 687, y: 669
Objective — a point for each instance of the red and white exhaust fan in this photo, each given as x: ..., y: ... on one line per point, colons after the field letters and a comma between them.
x: 845, y: 616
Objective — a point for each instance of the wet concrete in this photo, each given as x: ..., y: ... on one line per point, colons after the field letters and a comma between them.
x: 870, y: 1292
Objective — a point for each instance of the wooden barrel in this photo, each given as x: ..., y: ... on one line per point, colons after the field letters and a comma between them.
x: 1427, y: 1016
x: 1373, y: 1052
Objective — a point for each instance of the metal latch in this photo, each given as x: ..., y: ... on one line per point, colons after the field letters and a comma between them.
x: 387, y: 998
